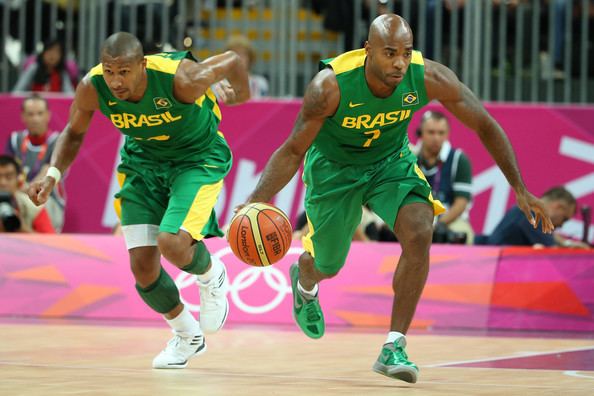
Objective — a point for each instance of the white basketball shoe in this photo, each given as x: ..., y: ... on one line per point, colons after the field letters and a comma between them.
x: 214, y: 305
x: 179, y: 350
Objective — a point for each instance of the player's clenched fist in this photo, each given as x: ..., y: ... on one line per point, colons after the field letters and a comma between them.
x: 40, y: 190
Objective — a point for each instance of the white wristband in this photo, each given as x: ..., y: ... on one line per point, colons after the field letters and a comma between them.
x: 55, y: 173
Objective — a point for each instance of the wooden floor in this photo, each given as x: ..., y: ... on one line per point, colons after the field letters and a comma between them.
x: 73, y: 359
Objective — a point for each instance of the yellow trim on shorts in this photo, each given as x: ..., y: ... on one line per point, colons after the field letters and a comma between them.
x: 306, y: 239
x: 438, y: 207
x: 117, y: 203
x: 199, y: 213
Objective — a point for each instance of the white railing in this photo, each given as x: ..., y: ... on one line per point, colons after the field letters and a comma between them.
x: 505, y: 50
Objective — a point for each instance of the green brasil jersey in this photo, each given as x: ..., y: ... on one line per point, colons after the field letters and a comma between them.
x: 365, y: 128
x: 159, y: 127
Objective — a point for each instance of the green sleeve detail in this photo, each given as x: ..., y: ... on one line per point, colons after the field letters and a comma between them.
x: 464, y: 173
x: 190, y: 56
x: 178, y: 55
x: 423, y: 99
x: 463, y: 176
x: 324, y: 63
x: 463, y: 194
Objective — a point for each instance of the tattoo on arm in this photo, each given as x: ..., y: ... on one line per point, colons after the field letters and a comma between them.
x: 315, y: 102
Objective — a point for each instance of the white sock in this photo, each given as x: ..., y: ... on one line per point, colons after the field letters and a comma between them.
x: 185, y: 323
x: 308, y: 293
x: 393, y: 336
x: 215, y: 270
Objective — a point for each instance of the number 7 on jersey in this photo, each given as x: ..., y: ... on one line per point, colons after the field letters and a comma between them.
x: 375, y: 134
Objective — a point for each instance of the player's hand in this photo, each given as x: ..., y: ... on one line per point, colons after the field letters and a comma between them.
x: 535, y: 212
x: 225, y: 92
x: 251, y: 199
x: 40, y: 190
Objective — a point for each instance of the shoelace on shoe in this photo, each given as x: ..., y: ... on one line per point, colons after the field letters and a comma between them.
x: 401, y: 357
x: 214, y: 289
x: 311, y: 312
x: 177, y: 339
x: 173, y: 343
x: 402, y: 352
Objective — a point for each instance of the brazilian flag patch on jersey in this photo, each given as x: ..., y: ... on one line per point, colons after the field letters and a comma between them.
x: 410, y: 98
x: 161, y: 103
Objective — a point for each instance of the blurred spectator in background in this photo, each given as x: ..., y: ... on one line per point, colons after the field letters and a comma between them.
x: 139, y: 15
x: 17, y: 212
x: 374, y: 228
x: 553, y: 65
x: 49, y: 72
x: 33, y: 147
x: 449, y: 173
x: 243, y: 47
x: 514, y: 228
x: 150, y: 47
x: 339, y: 16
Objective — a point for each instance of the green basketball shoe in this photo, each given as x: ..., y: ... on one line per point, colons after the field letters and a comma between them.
x: 306, y: 310
x: 393, y: 362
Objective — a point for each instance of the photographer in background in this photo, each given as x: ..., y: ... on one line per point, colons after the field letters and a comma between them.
x: 515, y: 230
x: 33, y: 148
x: 448, y: 171
x: 17, y: 212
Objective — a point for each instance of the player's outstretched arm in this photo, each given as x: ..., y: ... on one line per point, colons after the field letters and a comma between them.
x: 320, y: 101
x: 69, y: 141
x: 193, y: 79
x: 442, y: 84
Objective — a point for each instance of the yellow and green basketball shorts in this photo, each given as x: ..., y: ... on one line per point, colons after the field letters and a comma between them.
x: 336, y: 192
x: 174, y: 195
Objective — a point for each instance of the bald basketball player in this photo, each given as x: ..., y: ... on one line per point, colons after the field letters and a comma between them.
x: 173, y: 164
x: 352, y: 132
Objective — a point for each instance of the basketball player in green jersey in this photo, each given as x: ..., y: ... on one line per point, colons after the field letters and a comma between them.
x: 352, y: 134
x: 173, y: 164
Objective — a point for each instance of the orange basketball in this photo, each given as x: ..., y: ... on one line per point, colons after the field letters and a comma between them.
x: 260, y: 234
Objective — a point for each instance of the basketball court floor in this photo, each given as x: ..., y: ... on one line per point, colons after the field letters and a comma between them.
x: 86, y: 358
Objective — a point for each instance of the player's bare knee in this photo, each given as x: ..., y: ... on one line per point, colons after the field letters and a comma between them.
x: 171, y: 248
x: 306, y: 266
x: 417, y: 236
x: 145, y: 265
x: 306, y: 260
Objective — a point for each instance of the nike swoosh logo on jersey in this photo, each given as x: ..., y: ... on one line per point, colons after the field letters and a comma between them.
x: 110, y: 103
x: 351, y: 104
